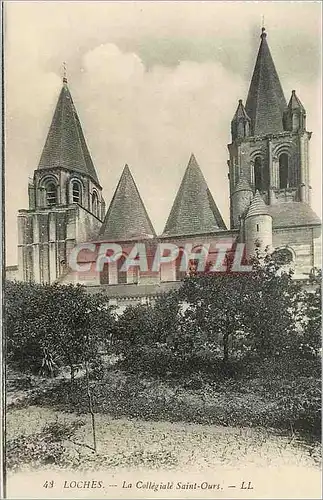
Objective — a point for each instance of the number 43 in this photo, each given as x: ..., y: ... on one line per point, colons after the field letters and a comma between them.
x: 48, y: 484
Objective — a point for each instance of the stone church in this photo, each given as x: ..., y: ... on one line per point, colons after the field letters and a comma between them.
x: 270, y: 198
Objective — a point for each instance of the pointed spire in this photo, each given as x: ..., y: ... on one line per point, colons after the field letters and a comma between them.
x: 257, y: 206
x: 240, y: 124
x: 266, y: 102
x: 295, y: 115
x: 126, y: 217
x: 295, y: 103
x: 240, y: 112
x: 65, y: 145
x: 194, y: 210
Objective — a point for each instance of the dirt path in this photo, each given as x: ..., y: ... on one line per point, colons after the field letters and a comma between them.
x: 170, y: 450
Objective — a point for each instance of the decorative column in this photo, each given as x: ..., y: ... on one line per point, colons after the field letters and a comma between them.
x: 270, y: 173
x: 302, y: 192
x: 52, y: 247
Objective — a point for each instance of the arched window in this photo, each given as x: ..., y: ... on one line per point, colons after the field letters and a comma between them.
x: 51, y: 194
x: 76, y: 192
x: 283, y: 171
x: 258, y: 174
x: 95, y: 204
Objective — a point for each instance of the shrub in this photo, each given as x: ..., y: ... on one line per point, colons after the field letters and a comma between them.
x: 43, y: 448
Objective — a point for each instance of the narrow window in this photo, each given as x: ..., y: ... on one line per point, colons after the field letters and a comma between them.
x: 95, y: 204
x: 295, y: 122
x: 257, y: 228
x: 76, y: 192
x: 51, y: 194
x: 122, y: 275
x: 180, y: 275
x: 258, y: 174
x: 283, y: 171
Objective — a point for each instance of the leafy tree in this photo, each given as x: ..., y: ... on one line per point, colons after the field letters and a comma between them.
x: 214, y: 307
x: 55, y: 324
x: 311, y: 342
x: 273, y: 308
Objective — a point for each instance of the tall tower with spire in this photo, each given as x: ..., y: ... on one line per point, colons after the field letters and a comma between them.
x: 65, y: 198
x: 269, y: 148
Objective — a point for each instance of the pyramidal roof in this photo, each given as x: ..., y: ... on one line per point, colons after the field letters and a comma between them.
x: 240, y: 112
x: 257, y: 206
x: 126, y: 217
x: 194, y: 210
x: 295, y: 103
x: 65, y: 145
x: 266, y: 102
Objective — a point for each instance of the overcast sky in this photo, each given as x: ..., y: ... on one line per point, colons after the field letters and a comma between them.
x: 152, y: 82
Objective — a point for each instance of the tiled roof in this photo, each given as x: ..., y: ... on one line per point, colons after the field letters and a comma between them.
x: 240, y: 112
x: 295, y: 103
x: 266, y: 102
x: 65, y: 145
x: 293, y: 213
x: 257, y: 206
x: 194, y: 210
x: 126, y: 217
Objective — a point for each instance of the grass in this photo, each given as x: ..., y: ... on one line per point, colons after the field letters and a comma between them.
x: 151, y: 424
x: 157, y: 445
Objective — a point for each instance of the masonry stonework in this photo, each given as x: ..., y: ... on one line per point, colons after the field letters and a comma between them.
x: 270, y: 196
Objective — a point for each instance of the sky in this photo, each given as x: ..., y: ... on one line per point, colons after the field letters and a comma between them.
x: 152, y: 82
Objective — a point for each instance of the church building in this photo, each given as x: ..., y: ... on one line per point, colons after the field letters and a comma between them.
x: 270, y: 199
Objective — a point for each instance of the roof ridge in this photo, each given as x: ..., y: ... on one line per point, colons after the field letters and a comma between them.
x: 266, y: 101
x: 127, y: 216
x: 65, y: 145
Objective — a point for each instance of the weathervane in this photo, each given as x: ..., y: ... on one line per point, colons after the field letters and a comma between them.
x: 64, y: 73
x: 263, y: 29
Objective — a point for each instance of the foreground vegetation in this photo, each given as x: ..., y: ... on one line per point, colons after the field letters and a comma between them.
x: 150, y: 424
x: 225, y: 350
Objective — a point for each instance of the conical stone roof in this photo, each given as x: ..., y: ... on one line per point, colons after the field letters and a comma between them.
x: 240, y: 112
x: 295, y: 103
x: 257, y: 206
x: 266, y: 102
x: 65, y: 145
x: 194, y: 210
x: 126, y: 217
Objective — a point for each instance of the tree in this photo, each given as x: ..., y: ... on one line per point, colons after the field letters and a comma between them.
x: 61, y: 323
x: 273, y: 308
x: 214, y: 308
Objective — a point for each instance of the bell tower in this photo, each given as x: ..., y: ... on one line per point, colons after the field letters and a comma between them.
x: 270, y: 143
x: 65, y: 199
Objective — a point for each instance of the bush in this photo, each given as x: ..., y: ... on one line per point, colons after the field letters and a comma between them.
x: 43, y: 448
x: 299, y: 402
